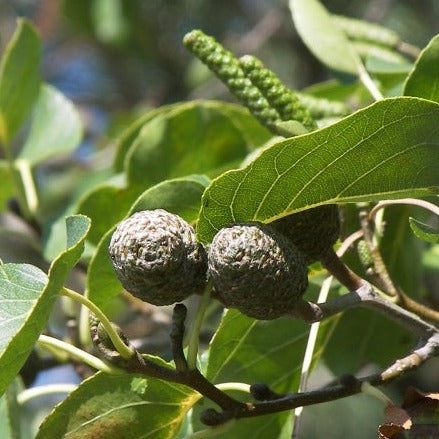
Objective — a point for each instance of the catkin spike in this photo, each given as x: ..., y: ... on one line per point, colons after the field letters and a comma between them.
x: 371, y: 32
x: 225, y: 65
x: 364, y: 254
x: 283, y: 99
x: 322, y: 108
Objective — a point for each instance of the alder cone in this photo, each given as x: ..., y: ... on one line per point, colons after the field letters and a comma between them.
x: 156, y: 257
x: 257, y: 270
x: 313, y: 231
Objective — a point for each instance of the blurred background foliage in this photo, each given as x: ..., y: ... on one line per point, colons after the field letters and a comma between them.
x: 118, y: 59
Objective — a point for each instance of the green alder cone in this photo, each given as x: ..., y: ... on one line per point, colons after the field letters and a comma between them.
x: 280, y: 97
x: 226, y: 66
x: 313, y: 231
x: 156, y: 257
x: 257, y: 270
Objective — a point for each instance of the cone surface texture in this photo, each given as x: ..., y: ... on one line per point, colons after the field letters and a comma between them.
x: 256, y: 270
x: 157, y: 258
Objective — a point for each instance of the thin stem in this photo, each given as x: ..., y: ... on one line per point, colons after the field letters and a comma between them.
x: 348, y: 242
x: 368, y: 82
x: 370, y: 390
x: 241, y: 387
x: 418, y: 308
x: 17, y: 180
x: 50, y: 389
x: 124, y: 350
x: 309, y: 352
x: 366, y: 296
x: 408, y: 49
x: 212, y: 431
x: 403, y: 299
x: 382, y: 277
x: 340, y: 271
x: 177, y: 334
x: 50, y: 342
x: 412, y: 201
x: 84, y: 327
x: 28, y: 182
x: 195, y: 331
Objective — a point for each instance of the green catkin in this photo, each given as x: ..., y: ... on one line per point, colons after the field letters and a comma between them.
x: 323, y: 108
x: 371, y: 32
x: 226, y: 66
x: 284, y: 100
x: 364, y: 254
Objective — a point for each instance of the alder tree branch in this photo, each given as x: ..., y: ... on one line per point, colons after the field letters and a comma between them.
x: 382, y: 278
x: 266, y: 400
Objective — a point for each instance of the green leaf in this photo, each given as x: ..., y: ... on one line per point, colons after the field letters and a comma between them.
x: 10, y: 412
x: 105, y: 205
x: 56, y: 127
x: 424, y: 231
x: 7, y: 189
x: 186, y: 141
x: 19, y: 79
x: 113, y: 407
x: 423, y: 80
x: 181, y: 196
x: 129, y: 135
x: 323, y: 37
x: 27, y: 297
x: 243, y: 350
x: 375, y: 338
x: 402, y: 251
x: 387, y: 150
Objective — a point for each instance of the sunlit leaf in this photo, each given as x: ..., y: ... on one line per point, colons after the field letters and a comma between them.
x: 323, y: 37
x: 387, y: 150
x: 19, y: 79
x: 115, y: 407
x: 56, y: 127
x: 26, y: 299
x: 423, y: 80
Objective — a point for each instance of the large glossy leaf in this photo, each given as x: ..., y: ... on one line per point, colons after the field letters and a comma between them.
x: 323, y: 37
x: 423, y: 80
x: 7, y: 184
x: 181, y: 196
x: 375, y: 338
x: 186, y: 141
x: 10, y: 412
x: 270, y: 352
x: 27, y: 297
x: 114, y: 407
x: 19, y: 79
x: 56, y: 127
x: 387, y: 150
